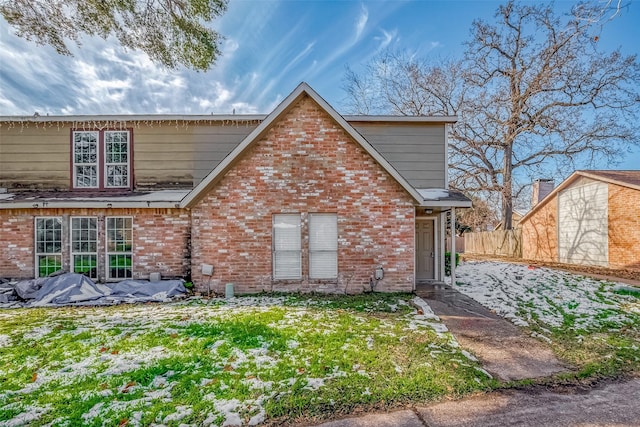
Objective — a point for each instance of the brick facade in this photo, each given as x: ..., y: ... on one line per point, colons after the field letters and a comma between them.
x: 540, y: 233
x: 624, y: 227
x: 540, y: 238
x: 305, y: 163
x: 160, y: 240
x: 16, y: 244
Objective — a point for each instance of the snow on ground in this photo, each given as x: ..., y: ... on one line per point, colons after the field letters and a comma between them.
x: 546, y: 297
x: 112, y: 343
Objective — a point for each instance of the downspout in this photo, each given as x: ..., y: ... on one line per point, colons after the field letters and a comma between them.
x: 453, y: 246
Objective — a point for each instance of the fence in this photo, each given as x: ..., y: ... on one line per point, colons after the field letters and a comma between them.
x: 501, y: 242
x: 459, y: 244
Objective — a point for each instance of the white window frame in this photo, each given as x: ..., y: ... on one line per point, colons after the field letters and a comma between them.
x: 75, y: 165
x: 109, y: 253
x: 80, y: 253
x: 326, y: 251
x: 127, y: 164
x: 292, y: 251
x: 39, y: 254
x: 101, y: 165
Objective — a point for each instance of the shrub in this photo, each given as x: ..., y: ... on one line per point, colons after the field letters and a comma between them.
x: 447, y: 262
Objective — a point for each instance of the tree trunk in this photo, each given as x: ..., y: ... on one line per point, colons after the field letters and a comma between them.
x: 507, y: 193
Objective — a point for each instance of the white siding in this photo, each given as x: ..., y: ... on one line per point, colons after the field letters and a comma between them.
x: 582, y: 224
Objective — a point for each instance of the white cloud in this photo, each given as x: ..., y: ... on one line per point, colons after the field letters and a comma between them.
x: 230, y: 46
x: 361, y: 22
x: 386, y: 38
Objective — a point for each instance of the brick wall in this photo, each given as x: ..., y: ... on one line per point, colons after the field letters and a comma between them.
x: 540, y: 233
x: 624, y: 227
x: 16, y: 244
x: 305, y: 163
x: 160, y: 240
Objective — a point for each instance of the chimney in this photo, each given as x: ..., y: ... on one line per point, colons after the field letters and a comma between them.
x: 541, y: 188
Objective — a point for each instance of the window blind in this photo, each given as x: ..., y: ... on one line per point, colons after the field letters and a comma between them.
x: 287, y: 262
x: 323, y: 246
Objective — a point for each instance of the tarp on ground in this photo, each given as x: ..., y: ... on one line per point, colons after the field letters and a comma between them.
x: 72, y: 288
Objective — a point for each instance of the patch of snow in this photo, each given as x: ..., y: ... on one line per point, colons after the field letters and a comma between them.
x: 38, y: 333
x: 314, y: 383
x: 426, y: 317
x: 433, y: 193
x: 257, y: 418
x: 180, y: 413
x: 483, y: 371
x: 93, y: 413
x: 27, y: 416
x: 522, y: 294
x: 229, y: 410
x: 5, y: 340
x: 158, y: 382
x: 469, y: 356
x: 369, y: 343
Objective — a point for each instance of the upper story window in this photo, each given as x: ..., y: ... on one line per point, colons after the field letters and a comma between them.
x: 101, y: 159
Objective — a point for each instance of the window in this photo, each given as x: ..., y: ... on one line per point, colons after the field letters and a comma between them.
x: 287, y: 253
x: 119, y: 247
x: 48, y: 246
x: 117, y: 159
x: 84, y: 246
x: 85, y: 159
x: 323, y: 246
x: 101, y: 159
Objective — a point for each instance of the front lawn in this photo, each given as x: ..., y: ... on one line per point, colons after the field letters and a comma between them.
x: 592, y: 324
x: 249, y: 360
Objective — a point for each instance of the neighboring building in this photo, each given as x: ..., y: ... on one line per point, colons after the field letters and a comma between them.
x: 592, y: 218
x: 516, y: 216
x: 301, y: 199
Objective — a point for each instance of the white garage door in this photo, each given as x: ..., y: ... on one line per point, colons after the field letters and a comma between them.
x: 582, y: 224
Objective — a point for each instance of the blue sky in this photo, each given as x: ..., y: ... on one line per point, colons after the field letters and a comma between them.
x: 270, y: 47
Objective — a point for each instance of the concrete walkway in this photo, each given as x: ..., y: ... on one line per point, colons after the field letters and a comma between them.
x: 502, y: 347
x: 614, y: 404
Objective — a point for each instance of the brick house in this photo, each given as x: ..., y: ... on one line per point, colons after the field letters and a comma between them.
x: 591, y: 218
x: 302, y: 199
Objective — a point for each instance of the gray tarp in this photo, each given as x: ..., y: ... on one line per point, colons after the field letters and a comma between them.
x: 71, y: 288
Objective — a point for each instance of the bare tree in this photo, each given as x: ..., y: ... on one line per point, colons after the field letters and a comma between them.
x: 480, y: 217
x: 171, y: 32
x: 533, y: 92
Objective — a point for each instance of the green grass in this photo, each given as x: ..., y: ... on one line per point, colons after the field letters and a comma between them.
x: 628, y: 292
x: 284, y: 358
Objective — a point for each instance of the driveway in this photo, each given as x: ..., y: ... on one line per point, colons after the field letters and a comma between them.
x: 613, y: 404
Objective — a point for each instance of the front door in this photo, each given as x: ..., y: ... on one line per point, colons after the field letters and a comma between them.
x: 425, y: 256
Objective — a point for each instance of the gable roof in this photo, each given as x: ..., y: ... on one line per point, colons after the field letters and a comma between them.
x: 303, y: 89
x: 625, y: 178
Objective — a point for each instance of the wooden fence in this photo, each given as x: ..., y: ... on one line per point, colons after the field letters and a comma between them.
x: 459, y: 244
x: 501, y: 242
